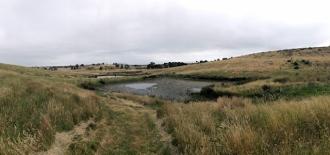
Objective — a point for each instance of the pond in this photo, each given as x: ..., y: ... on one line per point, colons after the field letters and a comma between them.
x: 165, y: 88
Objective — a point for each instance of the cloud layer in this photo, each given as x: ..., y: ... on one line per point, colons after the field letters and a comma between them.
x: 48, y: 32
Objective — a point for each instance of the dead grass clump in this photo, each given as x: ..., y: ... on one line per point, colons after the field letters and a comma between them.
x: 34, y: 108
x: 231, y: 103
x: 193, y: 129
x: 235, y: 126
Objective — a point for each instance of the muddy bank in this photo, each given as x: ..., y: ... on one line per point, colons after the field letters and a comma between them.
x: 218, y: 78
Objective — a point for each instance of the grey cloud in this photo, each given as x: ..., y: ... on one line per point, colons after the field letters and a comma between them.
x: 46, y: 32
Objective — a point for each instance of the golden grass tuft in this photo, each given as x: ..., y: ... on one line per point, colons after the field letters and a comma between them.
x: 235, y: 126
x: 33, y: 108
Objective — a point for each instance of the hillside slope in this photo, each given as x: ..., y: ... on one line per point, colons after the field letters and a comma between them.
x: 296, y: 64
x: 266, y: 103
x: 44, y: 112
x: 33, y: 107
x: 282, y: 109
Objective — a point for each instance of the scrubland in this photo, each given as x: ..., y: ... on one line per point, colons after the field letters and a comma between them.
x: 237, y: 126
x: 279, y: 105
x: 40, y: 109
x: 267, y: 103
x: 34, y: 107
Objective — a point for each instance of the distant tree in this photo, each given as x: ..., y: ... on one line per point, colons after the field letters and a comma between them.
x: 151, y: 65
x: 126, y: 66
x: 53, y: 68
x: 116, y: 65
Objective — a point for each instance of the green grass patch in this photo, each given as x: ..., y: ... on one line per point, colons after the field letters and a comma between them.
x: 268, y: 93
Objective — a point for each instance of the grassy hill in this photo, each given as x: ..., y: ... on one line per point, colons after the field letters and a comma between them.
x: 34, y: 106
x: 44, y: 112
x: 270, y: 75
x: 295, y: 64
x: 266, y: 103
x: 283, y: 107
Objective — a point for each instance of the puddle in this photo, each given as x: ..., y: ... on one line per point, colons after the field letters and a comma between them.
x: 165, y: 88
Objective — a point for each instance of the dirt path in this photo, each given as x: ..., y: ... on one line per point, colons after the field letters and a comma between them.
x: 64, y: 139
x: 165, y: 137
x: 127, y: 127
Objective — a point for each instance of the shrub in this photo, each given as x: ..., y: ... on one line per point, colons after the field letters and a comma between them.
x: 208, y: 92
x: 306, y: 62
x: 266, y: 88
x: 295, y: 63
x: 281, y: 80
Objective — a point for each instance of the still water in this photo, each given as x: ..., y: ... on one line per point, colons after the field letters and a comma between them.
x: 165, y: 88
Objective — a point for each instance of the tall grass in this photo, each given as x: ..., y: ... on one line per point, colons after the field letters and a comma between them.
x: 32, y: 109
x: 235, y: 126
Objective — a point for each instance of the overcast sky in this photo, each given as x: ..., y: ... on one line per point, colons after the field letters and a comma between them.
x: 59, y: 32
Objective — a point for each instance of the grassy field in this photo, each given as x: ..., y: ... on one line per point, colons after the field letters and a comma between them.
x: 35, y: 106
x: 297, y: 65
x: 236, y: 126
x: 41, y: 112
x: 283, y: 107
x: 267, y: 103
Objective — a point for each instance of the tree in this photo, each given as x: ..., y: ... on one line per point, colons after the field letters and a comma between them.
x: 126, y: 66
x: 151, y: 65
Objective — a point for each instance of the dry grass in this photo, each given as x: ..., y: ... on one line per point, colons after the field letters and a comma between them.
x: 235, y: 126
x: 35, y: 104
x: 34, y: 107
x: 251, y: 86
x: 265, y: 65
x: 126, y: 128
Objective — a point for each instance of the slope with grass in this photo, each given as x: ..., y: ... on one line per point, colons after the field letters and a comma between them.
x: 43, y: 112
x: 236, y: 126
x: 267, y: 76
x: 298, y: 65
x: 267, y: 103
x: 33, y: 107
x: 283, y: 109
